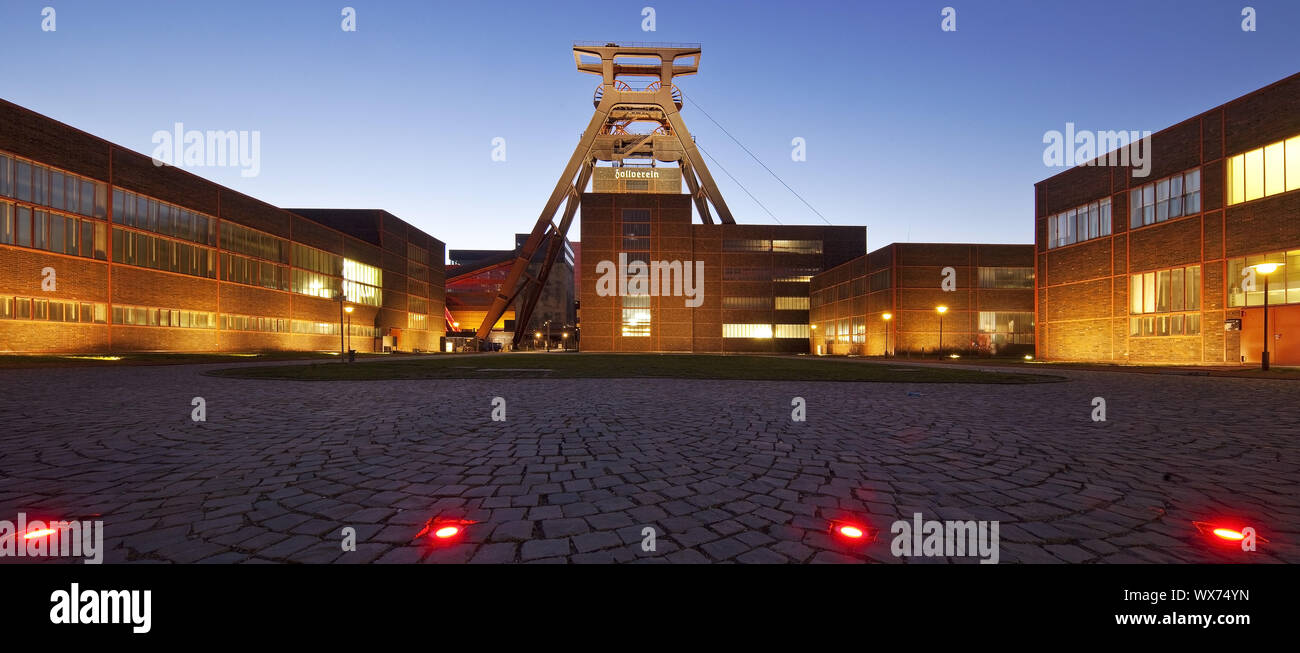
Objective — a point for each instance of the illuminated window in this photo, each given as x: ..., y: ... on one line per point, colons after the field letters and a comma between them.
x: 361, y: 283
x: 799, y: 331
x: 636, y: 322
x: 1265, y: 171
x: 1246, y: 287
x: 797, y: 246
x: 1162, y: 292
x: 163, y: 317
x: 1005, y: 277
x: 746, y: 330
x: 791, y: 304
x: 746, y: 303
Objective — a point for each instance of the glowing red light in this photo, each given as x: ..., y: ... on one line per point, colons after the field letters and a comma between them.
x: 446, y: 532
x: 851, y: 531
x: 1228, y: 534
x: 38, y: 533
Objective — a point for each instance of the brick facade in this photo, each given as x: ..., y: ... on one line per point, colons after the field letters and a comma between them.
x: 1083, y: 288
x: 676, y: 327
x: 905, y: 280
x: 30, y: 136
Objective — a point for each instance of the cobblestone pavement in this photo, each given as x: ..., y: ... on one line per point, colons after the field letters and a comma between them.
x: 581, y: 467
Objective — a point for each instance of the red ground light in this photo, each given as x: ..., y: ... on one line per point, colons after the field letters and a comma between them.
x: 442, y: 530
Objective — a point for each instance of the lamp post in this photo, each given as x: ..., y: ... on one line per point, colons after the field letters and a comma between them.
x: 348, y: 310
x: 1265, y: 269
x: 537, y: 335
x: 343, y: 354
x: 941, y: 309
x: 887, y: 317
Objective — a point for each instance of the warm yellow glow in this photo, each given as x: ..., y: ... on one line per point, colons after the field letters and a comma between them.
x: 1274, y: 169
x: 348, y: 309
x: 1029, y: 357
x: 1266, y: 268
x: 564, y: 335
x: 456, y: 324
x: 954, y: 356
x: 1254, y: 174
x: 96, y: 358
x: 812, y: 326
x: 537, y: 334
x: 941, y: 309
x: 887, y: 316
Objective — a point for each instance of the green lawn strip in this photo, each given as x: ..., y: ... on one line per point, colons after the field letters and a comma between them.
x: 572, y: 366
x: 21, y: 361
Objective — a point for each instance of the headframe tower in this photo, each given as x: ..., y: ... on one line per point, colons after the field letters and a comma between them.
x: 636, y: 87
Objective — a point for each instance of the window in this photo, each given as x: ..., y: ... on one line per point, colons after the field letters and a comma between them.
x: 1162, y: 292
x: 23, y: 226
x: 418, y: 305
x: 1169, y: 198
x: 163, y: 317
x: 53, y: 310
x: 1079, y: 224
x: 1007, y: 328
x: 1006, y: 277
x: 235, y: 238
x: 797, y: 246
x: 746, y: 274
x: 6, y: 176
x: 23, y: 180
x: 795, y: 331
x: 746, y: 303
x: 1246, y: 288
x: 132, y: 248
x: 791, y: 304
x: 746, y: 245
x: 361, y: 283
x: 636, y: 322
x: 880, y: 280
x: 6, y: 223
x: 1265, y: 171
x: 746, y: 330
x: 252, y: 323
x: 151, y: 215
x: 797, y: 274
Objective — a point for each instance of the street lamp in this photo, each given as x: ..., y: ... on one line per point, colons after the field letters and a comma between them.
x: 941, y: 309
x: 1265, y: 269
x: 887, y: 317
x: 348, y: 310
x: 537, y: 335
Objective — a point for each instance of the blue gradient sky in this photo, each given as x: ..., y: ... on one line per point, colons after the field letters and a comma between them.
x: 917, y: 133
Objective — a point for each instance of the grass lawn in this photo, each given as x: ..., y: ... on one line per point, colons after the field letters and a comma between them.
x: 9, y: 361
x: 617, y: 366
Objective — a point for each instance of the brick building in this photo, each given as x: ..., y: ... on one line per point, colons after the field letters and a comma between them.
x: 101, y: 250
x: 888, y: 300
x: 753, y: 296
x: 1157, y: 269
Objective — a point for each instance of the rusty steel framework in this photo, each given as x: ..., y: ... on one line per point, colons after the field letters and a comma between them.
x: 618, y: 105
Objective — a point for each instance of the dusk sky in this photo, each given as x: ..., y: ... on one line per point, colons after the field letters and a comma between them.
x: 919, y: 134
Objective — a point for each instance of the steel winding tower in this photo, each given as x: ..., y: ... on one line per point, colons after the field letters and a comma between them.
x: 607, y: 138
